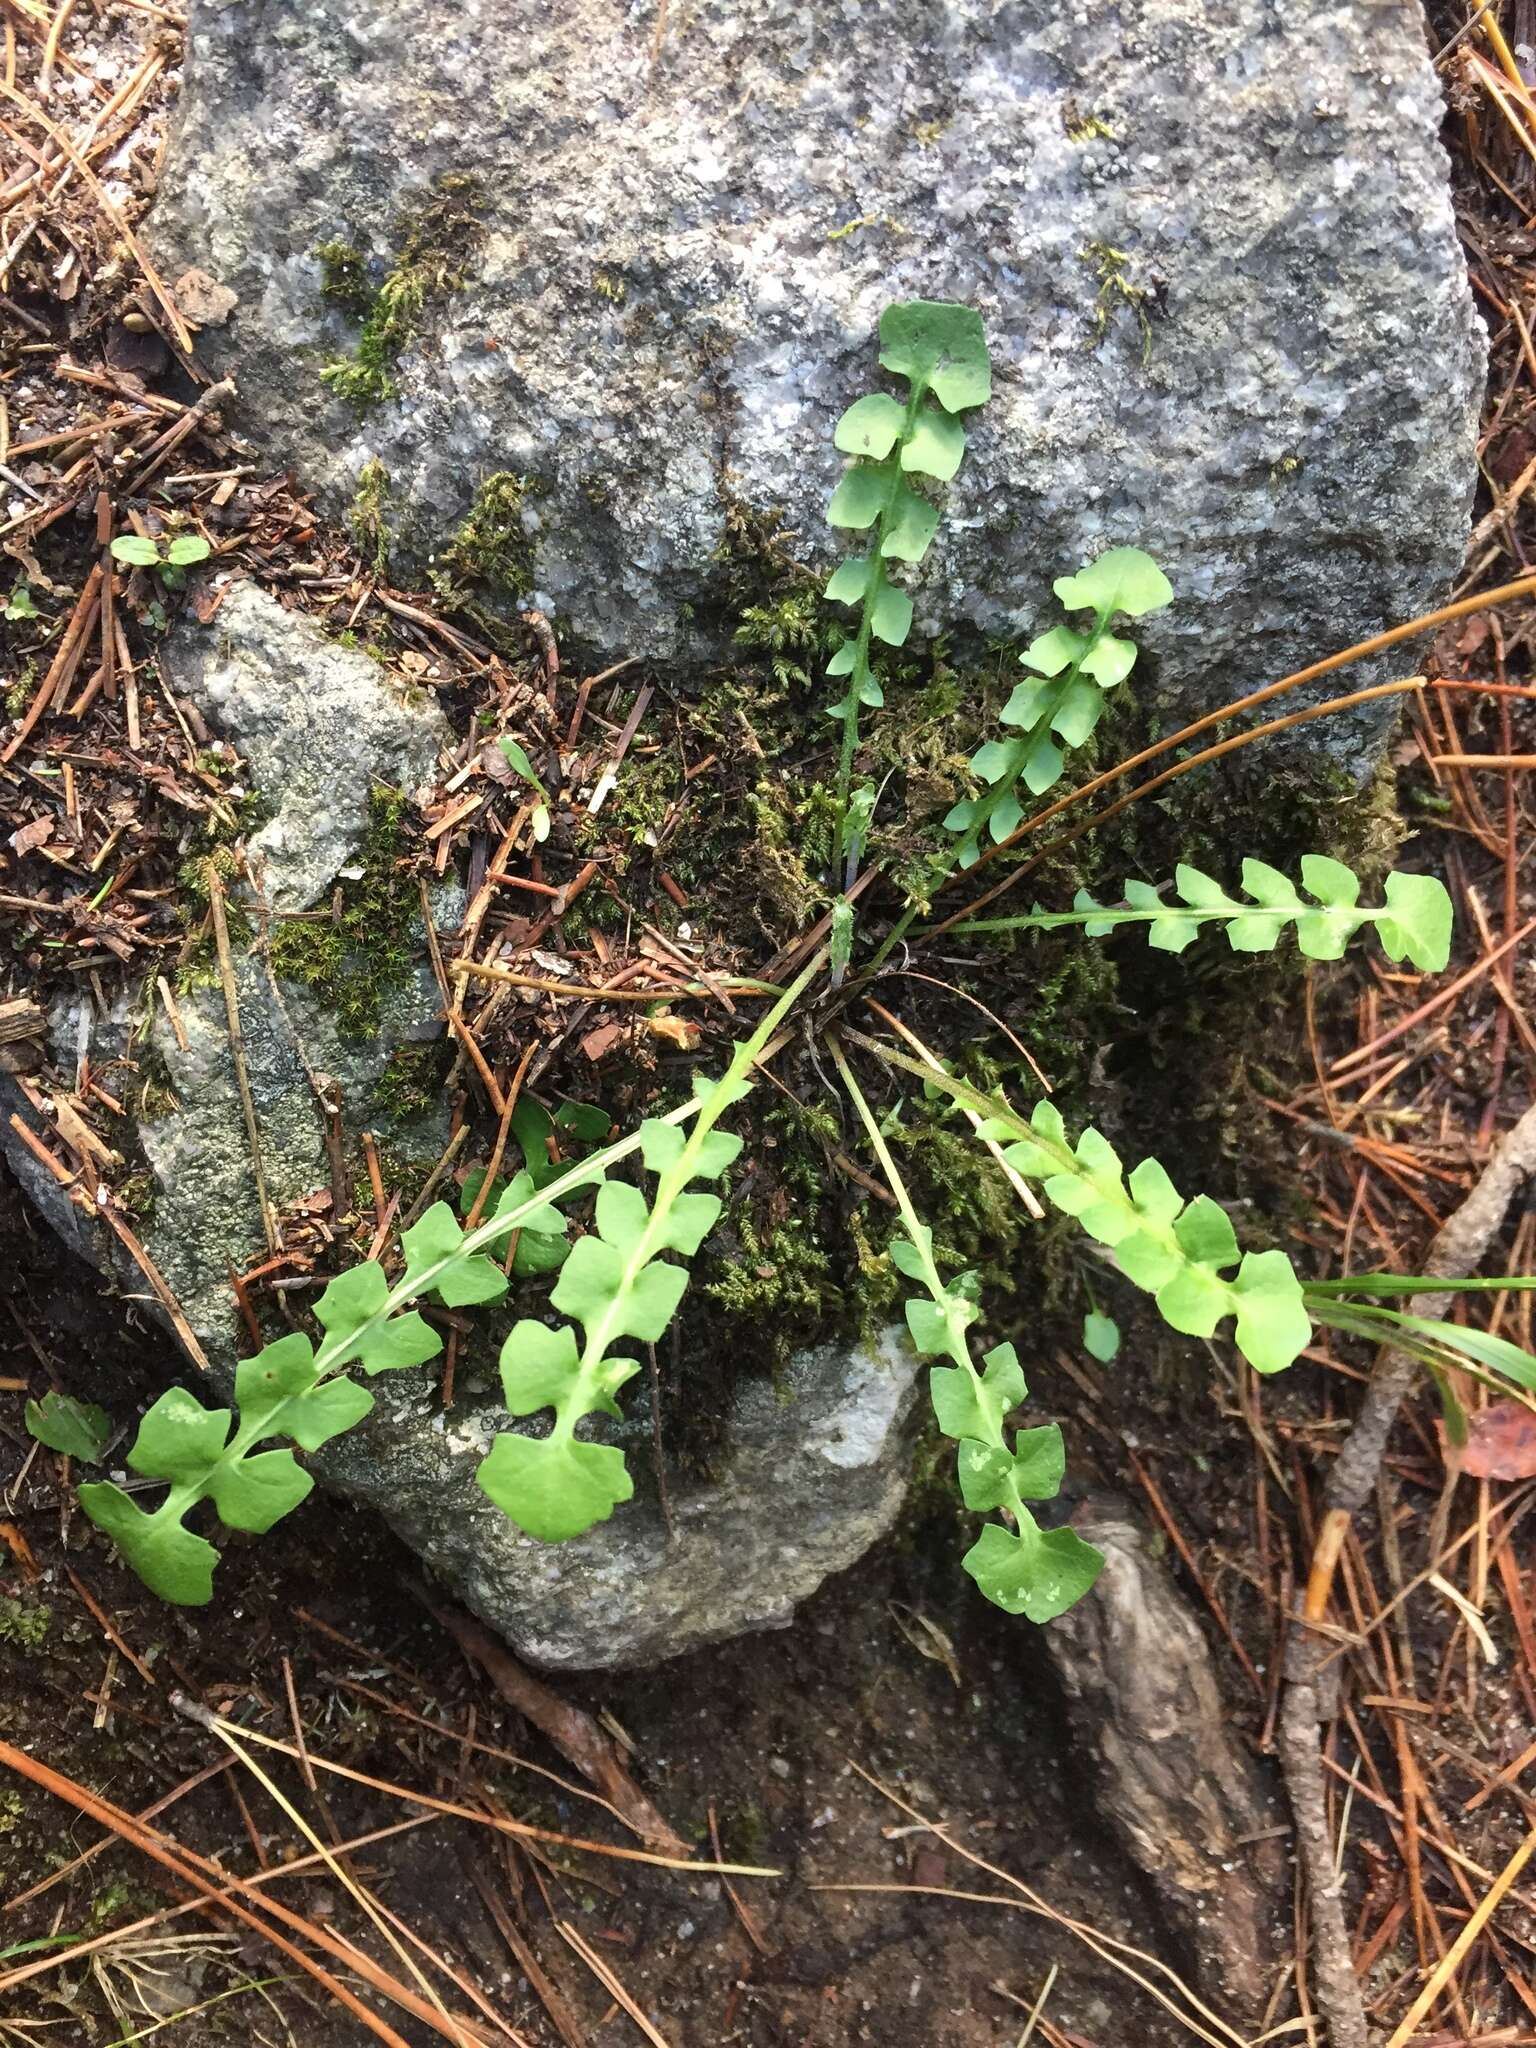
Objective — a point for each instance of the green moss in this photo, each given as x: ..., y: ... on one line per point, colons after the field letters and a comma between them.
x: 411, y: 1085
x: 198, y: 966
x: 755, y: 553
x: 366, y: 517
x: 1116, y: 288
x: 12, y: 1812
x: 791, y: 630
x: 344, y: 277
x: 436, y: 243
x: 354, y: 961
x: 492, y: 549
x: 19, y: 695
x: 23, y: 1623
x: 783, y: 1271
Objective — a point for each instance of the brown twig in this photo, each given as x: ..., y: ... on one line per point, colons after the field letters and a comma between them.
x: 575, y: 1734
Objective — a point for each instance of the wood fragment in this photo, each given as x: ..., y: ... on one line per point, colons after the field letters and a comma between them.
x: 574, y: 1733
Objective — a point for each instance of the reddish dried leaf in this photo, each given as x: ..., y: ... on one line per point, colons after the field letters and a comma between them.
x: 1501, y: 1443
x: 602, y: 1040
x: 28, y: 838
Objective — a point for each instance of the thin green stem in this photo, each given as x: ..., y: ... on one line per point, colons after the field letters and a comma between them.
x: 1170, y: 913
x: 922, y: 1243
x: 670, y: 1184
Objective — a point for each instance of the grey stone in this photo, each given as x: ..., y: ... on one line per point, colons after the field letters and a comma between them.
x: 318, y: 724
x: 817, y: 1467
x: 691, y: 225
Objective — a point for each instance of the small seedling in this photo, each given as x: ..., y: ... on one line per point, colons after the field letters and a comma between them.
x: 1101, y: 1337
x: 169, y: 559
x: 517, y: 759
x: 19, y: 604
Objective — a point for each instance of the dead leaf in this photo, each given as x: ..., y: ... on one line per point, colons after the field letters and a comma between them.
x: 1501, y: 1442
x: 28, y: 838
x: 925, y: 1636
x: 202, y: 299
x: 602, y: 1040
x: 679, y: 1031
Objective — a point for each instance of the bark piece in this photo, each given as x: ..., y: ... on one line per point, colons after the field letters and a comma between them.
x: 1173, y: 1782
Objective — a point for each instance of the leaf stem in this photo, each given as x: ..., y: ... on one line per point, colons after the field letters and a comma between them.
x: 921, y: 1237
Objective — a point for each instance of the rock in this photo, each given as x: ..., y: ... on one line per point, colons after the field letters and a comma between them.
x: 817, y: 1463
x: 318, y: 724
x: 818, y: 1466
x: 1212, y: 242
x: 1185, y: 1800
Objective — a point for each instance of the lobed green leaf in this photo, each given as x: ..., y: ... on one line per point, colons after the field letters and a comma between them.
x: 941, y: 348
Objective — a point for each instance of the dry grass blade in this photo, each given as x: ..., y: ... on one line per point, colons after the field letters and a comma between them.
x: 181, y: 1866
x: 340, y: 1872
x: 299, y: 1867
x: 196, y: 1712
x: 610, y: 1983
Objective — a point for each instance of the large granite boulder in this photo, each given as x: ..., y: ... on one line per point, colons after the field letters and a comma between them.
x: 813, y: 1465
x: 633, y: 262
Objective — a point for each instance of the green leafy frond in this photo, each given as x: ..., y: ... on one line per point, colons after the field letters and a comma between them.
x: 278, y: 1393
x: 941, y: 351
x: 1061, y: 703
x: 1182, y: 1253
x: 1019, y: 1566
x: 1179, y: 1252
x: 1414, y: 922
x: 616, y: 1285
x: 290, y: 1389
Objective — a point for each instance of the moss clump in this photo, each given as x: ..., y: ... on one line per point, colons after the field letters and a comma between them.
x: 640, y: 803
x: 344, y: 277
x: 411, y: 1085
x: 198, y: 966
x: 19, y: 695
x: 959, y: 1191
x: 435, y: 246
x: 366, y: 517
x: 1116, y: 288
x: 779, y: 1273
x: 756, y: 552
x: 791, y: 630
x: 357, y: 958
x: 23, y: 1623
x: 492, y: 548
